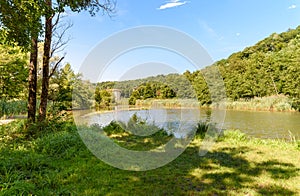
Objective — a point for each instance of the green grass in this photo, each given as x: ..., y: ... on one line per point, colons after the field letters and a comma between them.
x: 57, y: 162
x: 12, y: 107
x: 167, y: 103
x: 272, y: 103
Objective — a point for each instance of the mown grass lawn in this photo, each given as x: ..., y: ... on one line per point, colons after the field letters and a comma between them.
x: 58, y: 163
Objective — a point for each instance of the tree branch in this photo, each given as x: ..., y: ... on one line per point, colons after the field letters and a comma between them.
x: 59, y: 32
x: 55, y: 66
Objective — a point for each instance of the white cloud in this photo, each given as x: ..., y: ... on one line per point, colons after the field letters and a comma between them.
x: 237, y: 34
x: 292, y: 7
x: 172, y: 3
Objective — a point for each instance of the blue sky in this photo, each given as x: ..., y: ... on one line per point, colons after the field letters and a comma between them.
x: 220, y: 26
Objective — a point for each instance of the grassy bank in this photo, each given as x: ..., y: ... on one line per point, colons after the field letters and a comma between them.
x: 272, y: 103
x: 278, y: 103
x: 56, y: 162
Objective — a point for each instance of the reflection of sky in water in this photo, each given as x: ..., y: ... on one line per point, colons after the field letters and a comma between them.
x: 258, y: 124
x: 178, y: 122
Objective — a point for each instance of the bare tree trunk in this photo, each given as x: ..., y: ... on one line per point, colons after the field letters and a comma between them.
x: 46, y: 60
x: 32, y: 81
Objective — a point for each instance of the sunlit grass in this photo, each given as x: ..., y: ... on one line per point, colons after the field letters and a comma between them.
x: 271, y: 103
x: 58, y: 163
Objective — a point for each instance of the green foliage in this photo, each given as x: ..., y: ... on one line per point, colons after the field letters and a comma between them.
x: 113, y: 128
x: 272, y: 103
x: 106, y: 85
x: 151, y: 90
x: 136, y: 134
x: 135, y: 126
x: 269, y: 68
x: 61, y: 87
x: 235, y: 135
x: 67, y: 90
x: 201, y: 129
x: 28, y: 165
x: 59, y: 144
x: 21, y: 21
x: 173, y: 83
x: 11, y: 108
x: 92, y: 6
x: 103, y: 98
x: 14, y: 72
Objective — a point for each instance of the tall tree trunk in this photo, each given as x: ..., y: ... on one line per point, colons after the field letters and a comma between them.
x: 32, y: 81
x: 46, y: 60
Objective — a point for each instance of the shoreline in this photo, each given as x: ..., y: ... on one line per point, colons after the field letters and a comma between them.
x: 175, y: 108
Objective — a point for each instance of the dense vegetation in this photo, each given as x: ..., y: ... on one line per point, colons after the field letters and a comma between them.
x: 269, y: 68
x: 25, y: 24
x: 263, y: 76
x: 151, y: 90
x: 13, y: 80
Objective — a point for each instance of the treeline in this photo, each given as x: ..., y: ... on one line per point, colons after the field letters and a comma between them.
x: 269, y: 68
x: 151, y: 90
x: 14, y: 79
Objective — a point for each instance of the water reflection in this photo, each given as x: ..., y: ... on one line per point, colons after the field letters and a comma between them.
x: 257, y: 124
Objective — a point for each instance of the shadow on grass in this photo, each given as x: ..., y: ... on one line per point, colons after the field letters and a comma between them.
x: 221, y: 172
x: 60, y: 164
x: 225, y: 170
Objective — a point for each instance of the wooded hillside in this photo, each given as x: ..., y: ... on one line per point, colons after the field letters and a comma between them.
x: 270, y: 67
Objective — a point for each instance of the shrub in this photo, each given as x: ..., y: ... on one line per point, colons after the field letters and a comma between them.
x: 201, y: 129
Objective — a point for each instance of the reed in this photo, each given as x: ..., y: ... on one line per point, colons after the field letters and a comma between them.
x: 272, y: 103
x: 12, y: 108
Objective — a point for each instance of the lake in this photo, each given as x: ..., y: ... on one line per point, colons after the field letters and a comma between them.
x: 258, y: 124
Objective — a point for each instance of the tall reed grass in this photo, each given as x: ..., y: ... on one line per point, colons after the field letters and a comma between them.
x: 167, y: 103
x: 271, y: 103
x: 12, y: 107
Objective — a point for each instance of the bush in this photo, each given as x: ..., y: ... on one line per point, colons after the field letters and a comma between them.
x: 201, y: 129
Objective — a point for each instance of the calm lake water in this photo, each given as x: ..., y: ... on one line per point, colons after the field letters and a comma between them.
x: 257, y: 124
x: 264, y: 124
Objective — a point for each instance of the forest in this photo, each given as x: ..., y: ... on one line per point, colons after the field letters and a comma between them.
x: 269, y: 68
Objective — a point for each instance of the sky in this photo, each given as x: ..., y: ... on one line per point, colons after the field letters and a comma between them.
x: 221, y: 27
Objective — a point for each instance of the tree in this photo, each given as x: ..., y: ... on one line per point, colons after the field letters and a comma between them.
x: 151, y: 90
x: 21, y: 22
x: 61, y: 87
x: 52, y: 9
x: 103, y: 98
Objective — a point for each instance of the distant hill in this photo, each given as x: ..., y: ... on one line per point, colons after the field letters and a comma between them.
x: 270, y: 67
